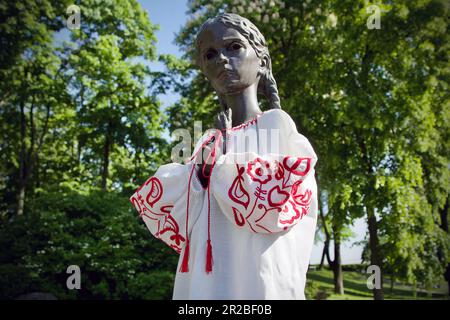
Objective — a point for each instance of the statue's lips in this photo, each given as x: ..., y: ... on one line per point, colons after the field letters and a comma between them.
x: 224, y: 74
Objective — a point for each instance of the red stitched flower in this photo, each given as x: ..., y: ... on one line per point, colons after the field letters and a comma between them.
x: 302, y: 199
x: 298, y: 166
x: 279, y: 171
x: 259, y: 170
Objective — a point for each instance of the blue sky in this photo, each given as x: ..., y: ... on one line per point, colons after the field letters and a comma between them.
x: 170, y: 15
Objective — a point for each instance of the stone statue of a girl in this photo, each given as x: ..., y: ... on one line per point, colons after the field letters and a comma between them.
x: 242, y: 212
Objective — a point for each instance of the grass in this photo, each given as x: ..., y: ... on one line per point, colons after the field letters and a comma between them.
x: 320, y: 285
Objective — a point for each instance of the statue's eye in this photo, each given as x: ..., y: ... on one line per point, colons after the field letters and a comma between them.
x: 235, y: 46
x: 210, y: 54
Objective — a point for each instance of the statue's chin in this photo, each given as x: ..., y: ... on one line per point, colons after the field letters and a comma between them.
x: 233, y: 87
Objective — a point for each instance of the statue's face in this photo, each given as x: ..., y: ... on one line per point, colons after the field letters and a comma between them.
x: 227, y: 59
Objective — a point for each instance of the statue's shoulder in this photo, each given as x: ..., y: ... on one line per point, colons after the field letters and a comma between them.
x: 279, y: 117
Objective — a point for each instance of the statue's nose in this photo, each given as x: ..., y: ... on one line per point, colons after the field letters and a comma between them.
x: 222, y: 58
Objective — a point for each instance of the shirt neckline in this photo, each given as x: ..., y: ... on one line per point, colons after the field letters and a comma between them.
x: 247, y: 122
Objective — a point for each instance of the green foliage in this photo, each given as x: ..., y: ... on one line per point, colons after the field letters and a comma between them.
x: 79, y: 113
x: 118, y: 120
x: 76, y: 116
x: 151, y: 286
x: 100, y: 233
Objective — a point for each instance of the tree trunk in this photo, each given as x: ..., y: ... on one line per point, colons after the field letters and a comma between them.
x: 335, y: 264
x: 22, y: 163
x: 443, y: 213
x: 28, y: 158
x: 21, y: 201
x: 326, y: 246
x: 337, y: 268
x: 36, y: 180
x: 105, y: 164
x: 392, y: 283
x: 106, y: 152
x: 375, y: 256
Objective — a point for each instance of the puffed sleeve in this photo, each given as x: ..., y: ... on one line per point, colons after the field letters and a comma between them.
x: 170, y: 201
x: 271, y: 192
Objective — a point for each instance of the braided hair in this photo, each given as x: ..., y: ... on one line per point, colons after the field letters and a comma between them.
x: 267, y: 84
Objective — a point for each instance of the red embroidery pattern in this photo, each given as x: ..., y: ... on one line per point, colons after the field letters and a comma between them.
x: 237, y: 193
x: 155, y: 191
x: 259, y: 170
x: 278, y: 197
x: 277, y: 202
x: 238, y: 217
x: 165, y: 226
x: 246, y: 123
x: 292, y: 164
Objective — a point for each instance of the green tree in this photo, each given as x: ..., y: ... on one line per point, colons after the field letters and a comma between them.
x: 80, y: 129
x: 75, y: 112
x: 30, y: 91
x: 118, y: 117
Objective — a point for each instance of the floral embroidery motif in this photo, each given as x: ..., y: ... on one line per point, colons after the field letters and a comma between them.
x: 278, y: 197
x: 237, y: 192
x: 155, y: 192
x: 171, y: 225
x: 259, y: 170
x: 238, y: 217
x: 292, y: 164
x: 165, y: 226
x: 278, y: 200
x: 302, y: 199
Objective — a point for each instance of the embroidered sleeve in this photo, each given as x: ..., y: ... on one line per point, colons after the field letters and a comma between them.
x: 265, y: 194
x: 162, y: 202
x: 272, y: 192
